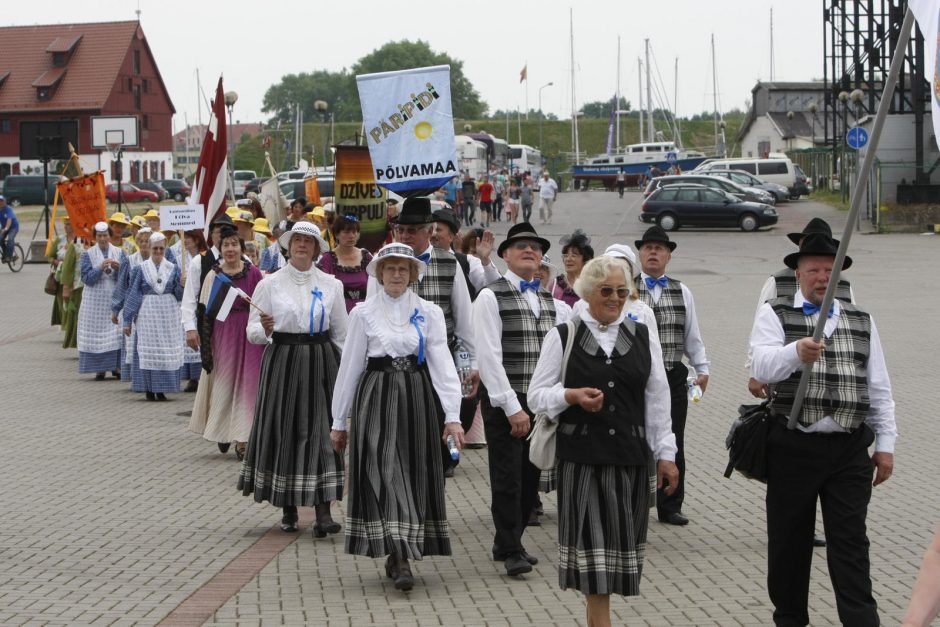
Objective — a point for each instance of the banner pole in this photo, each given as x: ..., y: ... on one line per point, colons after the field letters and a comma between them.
x: 861, y: 182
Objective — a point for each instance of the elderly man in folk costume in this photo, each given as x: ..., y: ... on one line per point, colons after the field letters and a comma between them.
x: 99, y: 340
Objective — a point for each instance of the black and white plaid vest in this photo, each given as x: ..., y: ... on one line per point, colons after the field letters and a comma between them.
x: 785, y: 281
x: 437, y: 286
x: 522, y: 331
x: 670, y: 317
x: 838, y: 386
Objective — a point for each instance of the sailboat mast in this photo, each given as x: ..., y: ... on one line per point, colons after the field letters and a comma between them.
x: 715, y: 92
x: 650, y: 130
x: 771, y: 43
x: 639, y: 80
x: 617, y: 98
x: 574, y: 106
x: 675, y: 106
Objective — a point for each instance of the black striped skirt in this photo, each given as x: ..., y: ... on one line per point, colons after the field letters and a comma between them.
x: 603, y: 514
x: 396, y: 477
x: 289, y: 460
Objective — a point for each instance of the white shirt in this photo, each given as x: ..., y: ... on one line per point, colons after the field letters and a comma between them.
x: 640, y: 310
x: 775, y: 361
x: 460, y: 306
x: 287, y: 296
x: 480, y: 275
x: 694, y: 348
x: 192, y: 288
x: 547, y: 392
x: 379, y: 327
x: 488, y: 327
x: 547, y: 189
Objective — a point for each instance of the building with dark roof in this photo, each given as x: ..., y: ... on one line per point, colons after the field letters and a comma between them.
x: 783, y: 117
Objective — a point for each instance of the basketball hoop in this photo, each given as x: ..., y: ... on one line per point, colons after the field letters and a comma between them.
x: 115, y: 148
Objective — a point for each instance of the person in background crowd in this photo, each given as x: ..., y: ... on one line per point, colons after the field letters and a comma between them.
x: 609, y: 440
x: 271, y: 256
x: 152, y: 216
x: 295, y: 213
x: 251, y: 251
x: 192, y: 245
x: 499, y: 190
x: 99, y: 340
x: 245, y: 223
x: 397, y: 384
x: 152, y: 306
x: 478, y: 269
x: 290, y: 461
x: 450, y: 194
x: 58, y: 249
x: 117, y: 224
x: 679, y: 335
x: 347, y: 262
x: 514, y: 198
x: 525, y: 198
x: 486, y: 191
x: 70, y: 275
x: 9, y: 227
x: 576, y: 250
x: 199, y: 267
x: 621, y: 182
x: 548, y: 191
x: 468, y: 198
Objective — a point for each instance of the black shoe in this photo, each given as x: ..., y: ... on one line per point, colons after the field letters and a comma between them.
x: 530, y: 558
x: 404, y: 580
x: 325, y: 523
x: 151, y: 397
x: 116, y: 374
x: 533, y: 520
x: 391, y: 567
x: 289, y: 521
x: 192, y: 385
x: 449, y: 472
x: 99, y: 376
x: 516, y: 565
x: 160, y: 396
x: 538, y: 509
x: 223, y: 446
x: 239, y: 452
x: 674, y: 518
x: 819, y: 541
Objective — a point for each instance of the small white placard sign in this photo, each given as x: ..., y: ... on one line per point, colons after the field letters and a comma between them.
x: 182, y: 217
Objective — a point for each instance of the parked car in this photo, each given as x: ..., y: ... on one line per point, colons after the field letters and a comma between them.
x: 156, y: 188
x: 240, y: 178
x: 293, y: 188
x: 743, y: 193
x: 129, y: 193
x: 675, y: 206
x: 255, y: 184
x: 780, y: 171
x: 24, y: 189
x: 177, y: 188
x: 780, y: 192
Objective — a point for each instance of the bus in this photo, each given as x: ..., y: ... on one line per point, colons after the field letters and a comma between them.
x: 472, y: 157
x: 497, y: 150
x: 524, y: 158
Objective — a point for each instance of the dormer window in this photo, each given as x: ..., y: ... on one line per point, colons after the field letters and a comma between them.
x: 59, y: 59
x: 62, y: 49
x: 47, y: 83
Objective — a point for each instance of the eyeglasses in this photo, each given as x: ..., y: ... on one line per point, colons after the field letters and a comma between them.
x: 410, y: 230
x: 526, y: 245
x: 622, y: 292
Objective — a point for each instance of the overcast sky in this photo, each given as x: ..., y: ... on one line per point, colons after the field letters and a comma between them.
x: 254, y: 43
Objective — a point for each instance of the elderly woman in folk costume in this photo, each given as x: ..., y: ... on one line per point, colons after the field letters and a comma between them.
x: 397, y: 390
x: 290, y: 461
x: 60, y: 246
x: 153, y: 304
x: 99, y: 340
x: 128, y: 264
x: 184, y: 251
x: 69, y: 275
x: 225, y: 400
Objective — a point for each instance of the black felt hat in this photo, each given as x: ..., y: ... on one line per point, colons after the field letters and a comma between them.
x: 816, y: 245
x: 415, y: 211
x: 655, y: 234
x: 816, y: 225
x: 523, y: 230
x: 448, y: 217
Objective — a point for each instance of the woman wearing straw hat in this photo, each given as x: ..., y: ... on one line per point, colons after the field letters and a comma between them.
x: 347, y: 262
x: 300, y: 316
x: 153, y: 304
x: 224, y: 408
x: 396, y: 390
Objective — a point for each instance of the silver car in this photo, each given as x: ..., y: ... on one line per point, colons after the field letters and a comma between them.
x: 780, y: 192
x: 750, y: 194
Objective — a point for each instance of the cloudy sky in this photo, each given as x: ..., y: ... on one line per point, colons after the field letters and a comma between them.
x: 253, y: 44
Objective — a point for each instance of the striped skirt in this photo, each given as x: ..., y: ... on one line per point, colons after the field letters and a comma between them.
x: 396, y: 476
x: 289, y: 460
x: 603, y: 514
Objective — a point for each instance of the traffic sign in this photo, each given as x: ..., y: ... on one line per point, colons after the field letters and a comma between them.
x: 856, y: 138
x: 671, y: 157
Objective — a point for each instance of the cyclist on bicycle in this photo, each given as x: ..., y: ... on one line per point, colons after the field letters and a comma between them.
x: 9, y: 227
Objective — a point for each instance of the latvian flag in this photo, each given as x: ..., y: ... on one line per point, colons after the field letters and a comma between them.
x: 221, y: 298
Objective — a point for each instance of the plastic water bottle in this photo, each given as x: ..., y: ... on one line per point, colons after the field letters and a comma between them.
x: 695, y: 390
x: 452, y: 447
x: 462, y: 359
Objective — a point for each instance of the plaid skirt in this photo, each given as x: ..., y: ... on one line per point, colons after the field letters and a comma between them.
x: 289, y: 459
x: 603, y: 514
x: 396, y: 474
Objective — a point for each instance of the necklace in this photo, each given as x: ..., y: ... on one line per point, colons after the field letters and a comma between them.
x: 393, y: 323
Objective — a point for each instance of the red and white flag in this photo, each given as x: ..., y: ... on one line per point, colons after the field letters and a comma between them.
x: 211, y: 172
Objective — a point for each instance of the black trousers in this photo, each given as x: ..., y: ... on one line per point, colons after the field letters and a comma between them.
x: 837, y: 469
x: 514, y: 481
x: 679, y: 395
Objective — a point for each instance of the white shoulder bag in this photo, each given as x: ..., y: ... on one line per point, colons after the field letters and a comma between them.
x: 542, y: 437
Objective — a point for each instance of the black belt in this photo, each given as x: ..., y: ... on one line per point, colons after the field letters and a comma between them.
x: 408, y: 363
x: 300, y: 338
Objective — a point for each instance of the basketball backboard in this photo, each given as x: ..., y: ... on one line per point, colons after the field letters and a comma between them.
x: 109, y: 129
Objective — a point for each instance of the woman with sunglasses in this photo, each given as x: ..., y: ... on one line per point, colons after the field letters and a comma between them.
x: 614, y: 439
x: 347, y: 262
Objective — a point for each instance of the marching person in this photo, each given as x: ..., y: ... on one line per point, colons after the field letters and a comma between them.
x: 295, y: 214
x: 60, y: 246
x: 679, y: 336
x: 190, y: 247
x: 70, y: 275
x: 511, y: 317
x: 548, y: 191
x: 576, y: 250
x: 224, y: 407
x: 198, y: 268
x: 397, y: 386
x: 99, y: 340
x: 347, y: 262
x: 290, y: 461
x: 478, y: 269
x: 118, y: 297
x: 152, y: 306
x: 847, y: 407
x: 614, y: 429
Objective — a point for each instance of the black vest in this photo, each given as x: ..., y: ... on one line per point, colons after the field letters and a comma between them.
x: 616, y: 435
x: 464, y: 264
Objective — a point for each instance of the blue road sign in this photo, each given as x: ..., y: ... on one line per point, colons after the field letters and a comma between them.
x: 856, y: 138
x: 671, y: 157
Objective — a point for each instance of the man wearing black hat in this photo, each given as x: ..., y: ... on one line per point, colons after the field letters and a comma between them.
x: 511, y: 317
x: 198, y: 268
x: 478, y: 270
x: 679, y: 336
x: 848, y: 405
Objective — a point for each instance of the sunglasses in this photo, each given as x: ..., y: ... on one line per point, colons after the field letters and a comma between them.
x: 622, y: 292
x: 411, y: 230
x: 527, y: 245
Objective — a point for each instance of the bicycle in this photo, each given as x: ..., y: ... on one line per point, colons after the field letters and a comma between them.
x: 15, y: 261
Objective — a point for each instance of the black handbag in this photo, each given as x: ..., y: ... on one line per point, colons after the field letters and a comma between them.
x: 747, y: 442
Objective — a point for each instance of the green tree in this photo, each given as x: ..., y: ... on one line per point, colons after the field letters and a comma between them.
x: 334, y: 88
x: 601, y: 108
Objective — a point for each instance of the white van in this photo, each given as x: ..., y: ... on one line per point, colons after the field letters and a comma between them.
x: 240, y: 179
x: 780, y: 171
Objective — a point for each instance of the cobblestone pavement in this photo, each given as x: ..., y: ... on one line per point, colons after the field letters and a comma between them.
x: 112, y: 513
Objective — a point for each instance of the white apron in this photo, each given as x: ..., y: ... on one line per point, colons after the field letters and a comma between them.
x: 96, y: 333
x: 159, y: 329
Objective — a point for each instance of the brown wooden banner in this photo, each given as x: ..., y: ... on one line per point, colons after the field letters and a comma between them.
x: 84, y: 200
x: 356, y: 193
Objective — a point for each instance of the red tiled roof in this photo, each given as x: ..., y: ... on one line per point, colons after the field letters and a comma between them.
x: 92, y: 69
x: 63, y: 44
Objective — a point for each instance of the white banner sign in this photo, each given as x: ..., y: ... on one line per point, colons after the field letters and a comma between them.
x: 409, y: 124
x: 182, y: 217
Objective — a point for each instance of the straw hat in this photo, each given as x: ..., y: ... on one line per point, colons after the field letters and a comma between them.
x: 139, y: 221
x: 245, y: 217
x: 118, y: 218
x: 261, y: 226
x: 400, y: 251
x: 152, y: 213
x: 302, y: 228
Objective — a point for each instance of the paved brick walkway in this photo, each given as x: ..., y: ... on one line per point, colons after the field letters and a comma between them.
x: 112, y: 513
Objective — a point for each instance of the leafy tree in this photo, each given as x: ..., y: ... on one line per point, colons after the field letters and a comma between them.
x: 534, y: 114
x: 335, y: 88
x: 601, y: 108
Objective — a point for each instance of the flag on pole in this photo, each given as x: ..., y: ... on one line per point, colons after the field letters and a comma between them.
x: 524, y: 74
x: 270, y: 196
x: 927, y: 14
x: 211, y: 172
x: 221, y: 298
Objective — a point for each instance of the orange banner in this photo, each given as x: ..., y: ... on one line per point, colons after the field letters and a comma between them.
x: 84, y: 200
x: 356, y: 193
x: 312, y: 190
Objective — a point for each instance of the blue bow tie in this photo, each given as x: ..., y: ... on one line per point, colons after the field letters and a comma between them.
x: 425, y: 257
x: 810, y: 309
x: 529, y: 285
x: 651, y: 282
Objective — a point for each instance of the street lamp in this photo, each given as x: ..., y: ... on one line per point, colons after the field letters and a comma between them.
x: 844, y: 99
x: 856, y: 97
x: 790, y: 116
x: 321, y: 107
x: 230, y: 99
x: 812, y: 112
x: 549, y: 84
